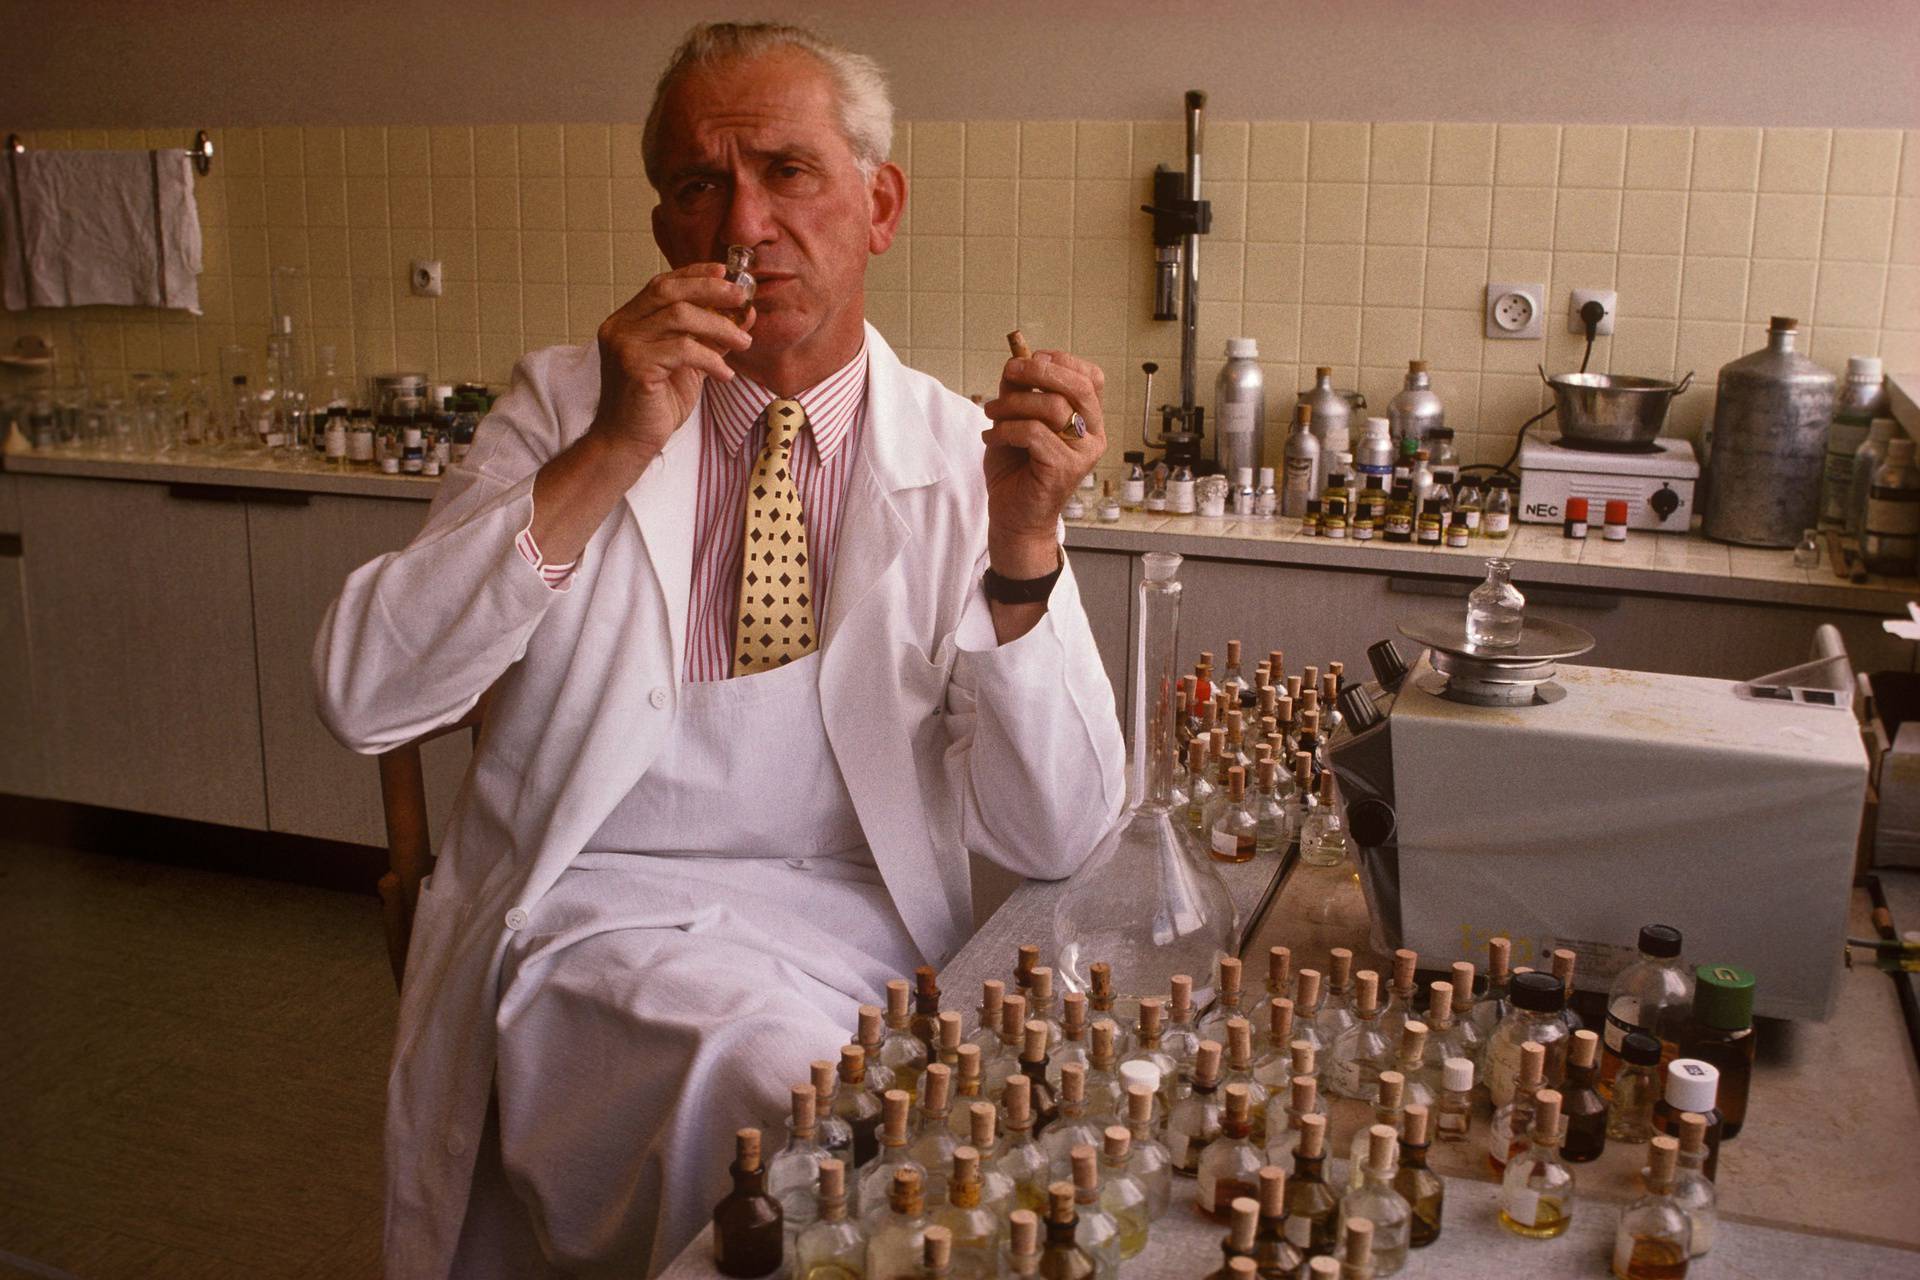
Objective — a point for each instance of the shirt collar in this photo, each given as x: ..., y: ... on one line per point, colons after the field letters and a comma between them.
x: 831, y: 404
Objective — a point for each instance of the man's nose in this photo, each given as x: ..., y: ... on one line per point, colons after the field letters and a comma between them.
x: 749, y: 219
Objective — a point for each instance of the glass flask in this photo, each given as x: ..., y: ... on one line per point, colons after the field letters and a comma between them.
x: 1496, y: 611
x: 1144, y: 904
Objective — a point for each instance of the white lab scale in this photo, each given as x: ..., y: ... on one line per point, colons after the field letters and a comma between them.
x: 1656, y: 481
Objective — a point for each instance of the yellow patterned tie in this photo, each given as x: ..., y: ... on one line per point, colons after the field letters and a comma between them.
x: 775, y: 622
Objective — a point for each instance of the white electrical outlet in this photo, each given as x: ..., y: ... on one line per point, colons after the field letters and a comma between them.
x: 426, y: 278
x: 1516, y: 310
x: 1580, y: 298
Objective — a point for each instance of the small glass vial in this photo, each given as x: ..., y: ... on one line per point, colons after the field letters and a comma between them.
x: 1574, y: 525
x: 1507, y: 1130
x: 1655, y: 1237
x: 740, y: 272
x: 1453, y: 1115
x: 1356, y: 1253
x: 1466, y: 506
x: 1266, y: 496
x: 1806, y: 552
x: 748, y: 1228
x: 1418, y: 1185
x: 1376, y: 1201
x: 1133, y: 485
x: 1630, y: 1110
x: 1109, y: 510
x: 1180, y: 495
x: 1496, y: 516
x: 1692, y: 1189
x: 1229, y: 1168
x: 1457, y: 532
x: 1585, y: 1109
x: 1094, y: 1230
x: 1536, y: 1194
x: 1615, y: 529
x: 1063, y: 1257
x: 1122, y: 1195
x: 1075, y: 507
x: 1313, y: 1209
x: 1276, y: 1256
x: 834, y: 1247
x: 1195, y: 1119
x: 1692, y: 1086
x: 1496, y: 611
x: 1234, y: 834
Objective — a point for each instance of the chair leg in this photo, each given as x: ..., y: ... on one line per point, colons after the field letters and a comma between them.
x: 395, y: 916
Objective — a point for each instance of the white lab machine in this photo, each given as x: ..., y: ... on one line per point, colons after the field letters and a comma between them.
x: 1656, y: 481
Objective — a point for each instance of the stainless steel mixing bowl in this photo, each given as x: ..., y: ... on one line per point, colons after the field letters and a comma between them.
x: 1611, y: 409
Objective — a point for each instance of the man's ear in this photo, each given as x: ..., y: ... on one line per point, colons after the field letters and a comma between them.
x: 887, y: 196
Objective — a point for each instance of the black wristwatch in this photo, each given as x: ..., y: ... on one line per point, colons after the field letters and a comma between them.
x: 1021, y: 590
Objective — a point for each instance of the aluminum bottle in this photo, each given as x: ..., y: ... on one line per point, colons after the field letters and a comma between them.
x: 1302, y: 474
x: 1863, y: 397
x: 1866, y: 461
x: 1373, y: 454
x: 1417, y: 410
x: 1891, y: 542
x: 1331, y: 410
x: 1240, y: 408
x: 1770, y: 420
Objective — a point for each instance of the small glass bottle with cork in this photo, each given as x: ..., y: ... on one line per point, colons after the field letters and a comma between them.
x: 748, y: 1228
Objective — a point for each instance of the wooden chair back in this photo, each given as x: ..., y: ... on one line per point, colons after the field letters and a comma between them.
x: 403, y: 797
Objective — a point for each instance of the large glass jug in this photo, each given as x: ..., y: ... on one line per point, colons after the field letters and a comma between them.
x: 1143, y: 903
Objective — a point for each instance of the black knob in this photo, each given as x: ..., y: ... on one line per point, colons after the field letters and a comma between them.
x: 1372, y: 822
x: 1664, y: 502
x: 1358, y: 708
x: 1389, y: 668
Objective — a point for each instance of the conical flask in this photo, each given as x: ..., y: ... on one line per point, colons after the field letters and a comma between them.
x: 1143, y: 903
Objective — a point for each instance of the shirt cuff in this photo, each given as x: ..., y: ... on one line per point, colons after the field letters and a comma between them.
x: 558, y: 577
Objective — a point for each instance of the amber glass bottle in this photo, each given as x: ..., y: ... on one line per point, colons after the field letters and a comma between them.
x: 1582, y: 1106
x: 748, y: 1227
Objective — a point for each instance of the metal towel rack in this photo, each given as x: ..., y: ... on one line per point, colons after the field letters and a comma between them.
x: 201, y: 151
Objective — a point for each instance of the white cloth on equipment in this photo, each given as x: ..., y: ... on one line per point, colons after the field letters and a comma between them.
x: 101, y: 228
x: 717, y: 935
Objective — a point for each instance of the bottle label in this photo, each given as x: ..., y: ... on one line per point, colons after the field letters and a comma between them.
x: 1496, y: 521
x: 1622, y: 1018
x: 1180, y: 497
x: 1623, y: 1253
x: 360, y: 446
x: 1133, y: 492
x: 1702, y: 1231
x: 1503, y: 1069
x: 336, y: 442
x: 1299, y: 1229
x: 1344, y: 1078
x: 1177, y: 1144
x: 1400, y: 524
x: 1893, y: 512
x: 1523, y: 1205
x: 1225, y: 841
x: 1472, y: 515
x: 1457, y: 535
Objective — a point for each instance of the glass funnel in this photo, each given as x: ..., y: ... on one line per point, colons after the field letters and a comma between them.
x: 1143, y: 903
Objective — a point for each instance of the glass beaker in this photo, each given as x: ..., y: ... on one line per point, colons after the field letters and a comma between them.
x: 1143, y: 903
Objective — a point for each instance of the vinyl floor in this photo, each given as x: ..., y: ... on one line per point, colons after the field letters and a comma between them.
x: 192, y: 1072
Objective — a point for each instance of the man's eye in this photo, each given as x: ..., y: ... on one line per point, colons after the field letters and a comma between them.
x: 787, y: 171
x: 695, y: 189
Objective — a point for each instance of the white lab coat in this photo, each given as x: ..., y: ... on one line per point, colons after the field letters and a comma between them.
x: 946, y: 741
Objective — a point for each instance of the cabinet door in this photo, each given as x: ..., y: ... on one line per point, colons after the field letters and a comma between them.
x: 142, y: 638
x: 1314, y: 615
x: 301, y: 556
x: 1105, y: 579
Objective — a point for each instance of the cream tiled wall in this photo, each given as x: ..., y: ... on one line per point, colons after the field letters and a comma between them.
x: 1355, y: 245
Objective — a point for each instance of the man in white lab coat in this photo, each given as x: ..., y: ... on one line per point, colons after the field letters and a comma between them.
x: 666, y: 885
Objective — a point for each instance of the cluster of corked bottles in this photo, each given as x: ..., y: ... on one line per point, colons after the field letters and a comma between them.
x: 1047, y: 1136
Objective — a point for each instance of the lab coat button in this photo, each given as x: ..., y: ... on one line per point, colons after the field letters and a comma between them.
x: 658, y: 698
x: 516, y: 919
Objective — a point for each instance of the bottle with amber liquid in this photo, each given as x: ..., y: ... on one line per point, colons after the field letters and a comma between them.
x: 1722, y: 1034
x: 976, y: 1231
x: 1275, y: 1255
x: 1233, y: 835
x: 895, y: 1137
x: 1536, y: 1193
x: 1654, y: 1239
x: 1584, y: 1108
x: 1417, y: 1184
x: 1513, y: 1121
x: 856, y: 1106
x: 926, y: 1008
x: 834, y: 1247
x: 1242, y: 1238
x: 748, y: 1228
x: 1062, y: 1258
x: 1313, y: 1208
x: 1229, y: 1168
x: 1195, y: 1119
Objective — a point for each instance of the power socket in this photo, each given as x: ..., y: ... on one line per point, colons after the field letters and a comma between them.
x: 1579, y: 298
x: 1516, y: 310
x: 426, y: 278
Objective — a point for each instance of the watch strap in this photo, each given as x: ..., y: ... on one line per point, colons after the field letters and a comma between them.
x: 1002, y: 590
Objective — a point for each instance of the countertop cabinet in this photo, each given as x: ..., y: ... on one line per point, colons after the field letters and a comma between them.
x: 140, y: 629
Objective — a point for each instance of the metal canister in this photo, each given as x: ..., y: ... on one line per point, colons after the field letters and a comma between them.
x: 1332, y: 411
x: 1770, y: 419
x: 1417, y: 410
x: 1240, y: 409
x: 390, y: 388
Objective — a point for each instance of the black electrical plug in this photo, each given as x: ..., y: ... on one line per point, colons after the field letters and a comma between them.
x: 1592, y: 312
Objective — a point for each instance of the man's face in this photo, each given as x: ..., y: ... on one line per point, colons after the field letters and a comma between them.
x: 751, y: 153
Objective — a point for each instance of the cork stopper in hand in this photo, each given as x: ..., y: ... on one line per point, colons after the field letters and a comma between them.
x: 1018, y: 1100
x: 894, y: 1108
x: 1661, y: 1162
x: 1206, y: 1063
x: 1139, y: 1104
x: 947, y: 1031
x: 1546, y: 1116
x: 1533, y: 1064
x: 1033, y: 1046
x: 1086, y: 1167
x: 872, y: 1025
x: 936, y: 1249
x: 1246, y: 1224
x: 1308, y: 994
x: 1381, y: 1143
x: 1358, y: 1248
x: 1339, y: 960
x: 1413, y: 1041
x: 1073, y: 1018
x: 1418, y: 1124
x: 746, y: 1150
x: 1693, y: 1131
x: 1117, y: 1141
x: 1313, y: 1136
x: 803, y: 1102
x: 899, y: 1000
x: 939, y: 1088
x: 1024, y: 1227
x: 1060, y: 1202
x: 1366, y: 993
x: 1273, y: 1191
x: 1237, y: 1103
x: 1393, y: 1090
x: 1585, y: 1046
x: 1013, y: 1016
x: 1239, y: 1043
x: 1499, y: 956
x: 1073, y: 1082
x: 984, y: 1121
x: 1279, y: 1020
x: 1462, y: 986
x: 1305, y: 1092
x: 1181, y: 1005
x: 1404, y: 963
x: 833, y: 1179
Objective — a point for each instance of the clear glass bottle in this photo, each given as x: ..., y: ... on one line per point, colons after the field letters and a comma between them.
x: 1104, y: 1002
x: 996, y: 1188
x: 1397, y: 1003
x: 1272, y: 831
x: 1513, y: 1119
x: 834, y: 1247
x: 1238, y: 1246
x: 986, y: 1026
x: 1635, y: 1089
x: 1653, y: 994
x: 978, y: 1235
x: 1323, y: 835
x: 1313, y: 1207
x: 1356, y: 1253
x: 1496, y: 611
x: 856, y: 1106
x: 925, y: 1023
x: 1389, y: 1109
x: 1179, y: 1037
x: 1133, y: 482
x: 1376, y: 1201
x: 1417, y: 1184
x: 1361, y: 1050
x: 936, y: 1255
x: 1410, y: 1060
x: 1226, y: 1002
x: 894, y: 1155
x: 1722, y: 1034
x: 1229, y: 1168
x: 1180, y: 495
x: 1122, y: 1195
x: 1466, y: 505
x: 1654, y: 1238
x: 966, y: 1092
x: 1148, y: 1052
x: 1336, y: 1010
x: 1021, y: 1158
x: 1005, y: 1062
x: 1108, y: 508
x: 793, y: 1176
x: 1273, y: 1068
x: 1106, y: 1100
x: 1023, y: 1244
x: 1692, y: 1189
x: 1143, y: 903
x: 1306, y: 1022
x: 1453, y: 1114
x: 1493, y: 1005
x: 1041, y: 1002
x: 1537, y: 999
x: 1461, y: 1037
x: 830, y: 1131
x: 1233, y: 836
x: 934, y: 1140
x: 1536, y: 1193
x: 1063, y: 1257
x: 1239, y: 1070
x: 1072, y: 1126
x: 1095, y: 1230
x: 1584, y: 1108
x: 896, y: 1232
x: 870, y: 1033
x: 1151, y: 1162
x: 748, y: 1231
x: 1496, y: 512
x: 1195, y: 1119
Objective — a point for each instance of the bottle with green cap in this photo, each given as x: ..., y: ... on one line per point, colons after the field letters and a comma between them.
x: 1723, y: 1035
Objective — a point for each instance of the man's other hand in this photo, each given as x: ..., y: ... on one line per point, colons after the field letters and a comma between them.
x: 1030, y: 468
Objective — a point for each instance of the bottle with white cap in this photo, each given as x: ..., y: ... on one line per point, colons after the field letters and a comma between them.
x: 1862, y: 398
x: 1453, y: 1114
x: 1692, y: 1086
x: 1266, y: 498
x: 1240, y: 408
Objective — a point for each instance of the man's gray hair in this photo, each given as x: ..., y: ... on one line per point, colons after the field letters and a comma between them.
x: 866, y: 109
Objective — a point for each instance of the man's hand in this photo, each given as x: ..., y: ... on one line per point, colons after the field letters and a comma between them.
x: 657, y: 350
x: 1030, y: 469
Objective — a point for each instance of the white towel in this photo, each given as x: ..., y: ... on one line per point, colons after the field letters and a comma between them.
x: 100, y: 228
